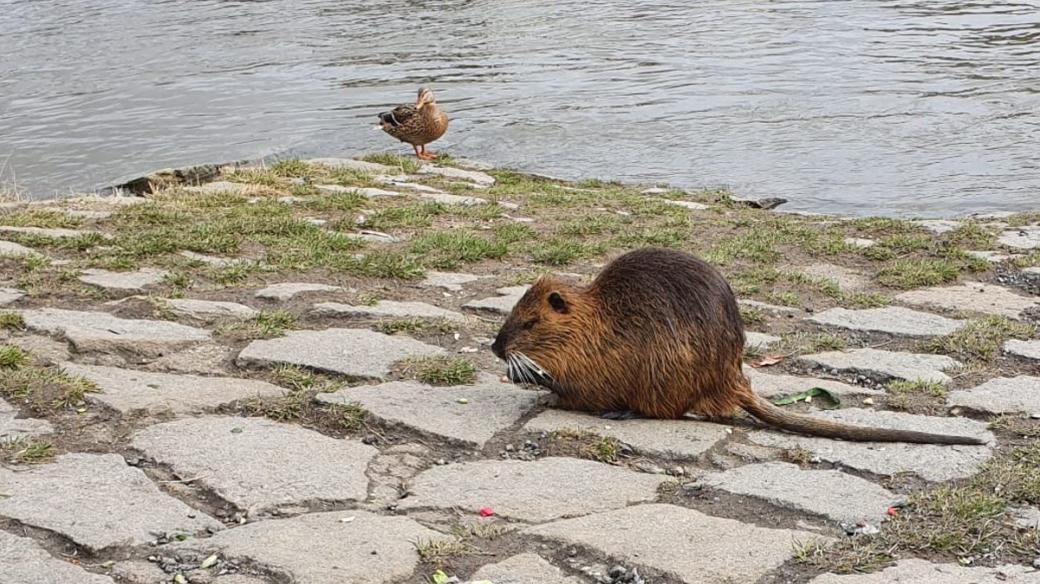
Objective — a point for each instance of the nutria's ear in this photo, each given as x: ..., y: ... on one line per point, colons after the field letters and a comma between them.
x: 558, y: 303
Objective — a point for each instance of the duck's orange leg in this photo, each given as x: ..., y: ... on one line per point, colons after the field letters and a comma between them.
x: 424, y: 154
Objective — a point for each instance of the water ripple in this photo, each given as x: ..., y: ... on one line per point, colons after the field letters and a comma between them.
x: 896, y: 106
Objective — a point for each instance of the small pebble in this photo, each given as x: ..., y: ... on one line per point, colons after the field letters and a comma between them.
x: 462, y: 400
x: 868, y: 401
x: 1036, y: 563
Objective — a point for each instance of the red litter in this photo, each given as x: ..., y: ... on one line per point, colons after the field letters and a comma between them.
x: 486, y: 512
x: 892, y: 511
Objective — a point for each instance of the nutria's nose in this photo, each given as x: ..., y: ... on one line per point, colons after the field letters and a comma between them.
x: 497, y: 349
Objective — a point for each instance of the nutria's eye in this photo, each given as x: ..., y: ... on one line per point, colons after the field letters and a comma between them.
x: 558, y: 303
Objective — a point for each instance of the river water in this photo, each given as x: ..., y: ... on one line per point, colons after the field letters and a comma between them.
x: 899, y: 107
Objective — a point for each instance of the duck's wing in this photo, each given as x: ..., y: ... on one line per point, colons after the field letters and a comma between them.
x: 399, y: 116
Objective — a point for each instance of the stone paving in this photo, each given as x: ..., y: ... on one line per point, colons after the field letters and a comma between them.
x: 202, y: 457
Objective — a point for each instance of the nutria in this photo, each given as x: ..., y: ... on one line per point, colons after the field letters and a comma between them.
x: 657, y: 334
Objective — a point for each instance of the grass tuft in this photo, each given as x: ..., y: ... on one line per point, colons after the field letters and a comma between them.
x: 414, y: 326
x: 980, y: 340
x: 406, y: 164
x: 11, y: 320
x: 441, y: 370
x: 449, y: 249
x: 21, y: 450
x: 950, y: 522
x: 266, y: 325
x: 43, y: 389
x: 12, y: 357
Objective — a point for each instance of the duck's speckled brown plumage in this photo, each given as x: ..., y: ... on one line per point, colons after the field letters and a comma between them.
x: 657, y: 333
x: 418, y: 124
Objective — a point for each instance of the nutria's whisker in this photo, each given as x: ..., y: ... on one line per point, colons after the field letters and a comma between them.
x: 535, y: 367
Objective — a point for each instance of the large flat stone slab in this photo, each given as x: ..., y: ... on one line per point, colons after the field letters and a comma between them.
x: 469, y: 413
x: 215, y: 261
x: 10, y: 249
x: 339, y: 547
x: 355, y: 352
x: 12, y: 426
x: 833, y: 494
x: 97, y: 501
x: 102, y: 332
x: 210, y: 310
x: 760, y: 340
x: 899, y: 365
x: 692, y: 206
x: 938, y: 226
x: 932, y: 462
x: 1003, y: 395
x: 501, y: 304
x: 450, y: 199
x: 123, y: 281
x: 1026, y: 349
x: 448, y: 280
x: 894, y: 320
x: 915, y: 571
x: 287, y: 290
x: 23, y: 561
x: 1027, y: 237
x: 550, y: 488
x: 973, y: 297
x: 524, y: 568
x: 775, y: 385
x: 727, y: 551
x: 259, y: 464
x: 10, y: 296
x: 847, y: 279
x: 388, y: 309
x: 129, y: 391
x: 686, y: 438
x: 472, y: 176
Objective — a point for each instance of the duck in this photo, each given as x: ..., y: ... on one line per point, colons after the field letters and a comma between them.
x: 418, y: 124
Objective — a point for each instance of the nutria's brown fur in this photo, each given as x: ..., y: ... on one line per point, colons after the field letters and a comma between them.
x: 659, y: 334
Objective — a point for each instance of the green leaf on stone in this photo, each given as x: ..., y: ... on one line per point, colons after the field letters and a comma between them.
x: 439, y: 577
x: 829, y: 400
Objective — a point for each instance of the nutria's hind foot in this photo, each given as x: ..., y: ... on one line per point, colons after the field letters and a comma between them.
x: 621, y: 415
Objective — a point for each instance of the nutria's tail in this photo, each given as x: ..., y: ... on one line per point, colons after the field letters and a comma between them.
x: 774, y: 416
